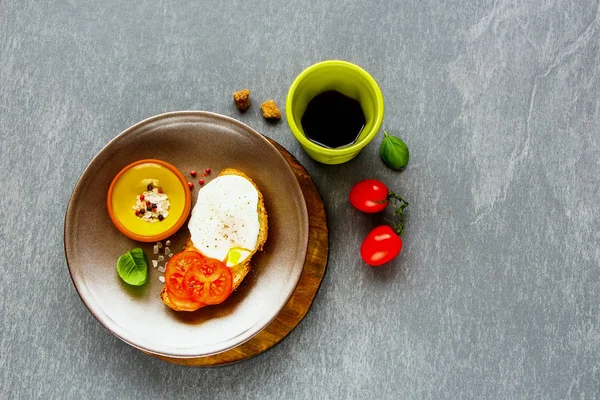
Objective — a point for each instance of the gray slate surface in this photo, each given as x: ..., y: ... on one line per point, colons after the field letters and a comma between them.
x: 497, y: 291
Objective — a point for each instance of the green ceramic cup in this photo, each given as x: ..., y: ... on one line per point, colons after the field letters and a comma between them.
x: 348, y: 79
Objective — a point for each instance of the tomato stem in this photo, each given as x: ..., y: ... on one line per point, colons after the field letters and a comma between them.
x: 399, y: 205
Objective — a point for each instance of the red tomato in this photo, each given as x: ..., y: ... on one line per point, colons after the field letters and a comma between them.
x: 381, y: 245
x: 208, y: 282
x: 370, y: 196
x: 176, y: 269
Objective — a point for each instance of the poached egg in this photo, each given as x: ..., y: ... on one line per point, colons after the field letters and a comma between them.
x: 224, y: 223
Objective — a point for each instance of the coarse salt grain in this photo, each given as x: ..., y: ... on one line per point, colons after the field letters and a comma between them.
x: 161, y: 278
x: 162, y: 269
x: 154, y: 197
x: 168, y: 242
x: 154, y: 263
x: 155, y: 249
x: 159, y: 244
x: 161, y: 258
x: 167, y: 251
x: 170, y: 255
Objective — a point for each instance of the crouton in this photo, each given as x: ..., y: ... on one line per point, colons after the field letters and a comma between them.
x: 270, y: 110
x: 242, y: 99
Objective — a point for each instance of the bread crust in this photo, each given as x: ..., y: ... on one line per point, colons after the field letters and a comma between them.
x: 239, y: 271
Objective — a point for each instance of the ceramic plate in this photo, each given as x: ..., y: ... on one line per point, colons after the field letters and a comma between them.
x: 191, y: 140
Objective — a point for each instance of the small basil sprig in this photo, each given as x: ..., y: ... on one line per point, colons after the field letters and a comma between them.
x: 133, y: 267
x: 393, y: 151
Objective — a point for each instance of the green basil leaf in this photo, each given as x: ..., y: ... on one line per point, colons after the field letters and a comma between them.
x: 133, y: 267
x: 394, y: 152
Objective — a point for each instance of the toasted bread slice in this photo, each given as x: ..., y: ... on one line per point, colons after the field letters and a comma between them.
x: 239, y: 271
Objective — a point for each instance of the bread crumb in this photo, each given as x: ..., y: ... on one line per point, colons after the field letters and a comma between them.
x: 242, y: 99
x: 270, y: 110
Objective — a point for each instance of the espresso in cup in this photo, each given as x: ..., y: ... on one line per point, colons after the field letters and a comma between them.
x: 333, y: 120
x: 334, y: 109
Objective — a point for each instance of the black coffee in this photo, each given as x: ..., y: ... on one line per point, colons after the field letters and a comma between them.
x: 333, y: 120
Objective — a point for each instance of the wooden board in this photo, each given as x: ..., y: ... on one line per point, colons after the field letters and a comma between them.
x: 302, y: 298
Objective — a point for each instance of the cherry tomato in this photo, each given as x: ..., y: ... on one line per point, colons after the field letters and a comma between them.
x: 176, y: 269
x: 370, y: 196
x: 380, y: 246
x: 208, y: 282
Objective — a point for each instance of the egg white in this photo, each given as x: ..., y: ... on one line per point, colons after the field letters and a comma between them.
x: 224, y: 222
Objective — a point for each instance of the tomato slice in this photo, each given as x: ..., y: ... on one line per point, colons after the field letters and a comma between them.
x: 208, y: 282
x: 175, y: 271
x: 184, y: 304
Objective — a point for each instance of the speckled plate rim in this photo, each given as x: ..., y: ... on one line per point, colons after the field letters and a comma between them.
x: 96, y: 310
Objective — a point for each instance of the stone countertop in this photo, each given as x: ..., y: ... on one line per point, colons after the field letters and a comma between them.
x: 496, y: 293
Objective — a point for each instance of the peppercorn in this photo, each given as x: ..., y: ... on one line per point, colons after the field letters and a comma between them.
x: 142, y: 211
x: 207, y: 171
x: 148, y: 203
x: 149, y: 208
x: 150, y: 187
x: 201, y: 181
x: 193, y: 173
x: 160, y: 217
x: 142, y: 197
x: 137, y: 213
x: 154, y: 205
x: 190, y: 184
x: 159, y: 190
